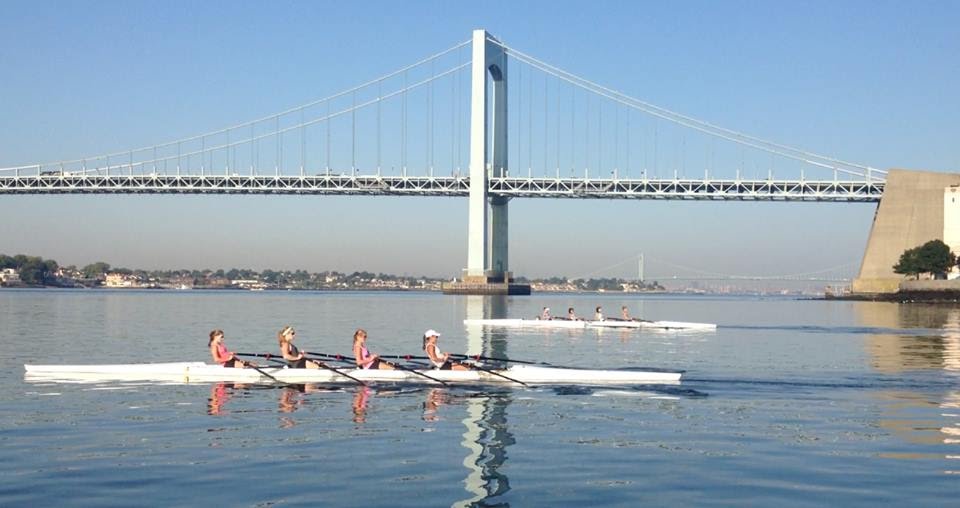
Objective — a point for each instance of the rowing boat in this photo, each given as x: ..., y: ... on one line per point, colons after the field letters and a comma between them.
x: 607, y: 323
x: 199, y: 372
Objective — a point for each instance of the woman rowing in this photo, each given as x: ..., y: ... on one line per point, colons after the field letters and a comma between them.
x: 598, y: 314
x: 545, y: 314
x: 571, y: 315
x: 439, y: 359
x: 220, y: 353
x: 295, y: 359
x: 625, y: 314
x: 362, y: 356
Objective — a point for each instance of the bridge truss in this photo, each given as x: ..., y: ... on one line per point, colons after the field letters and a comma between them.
x: 451, y: 186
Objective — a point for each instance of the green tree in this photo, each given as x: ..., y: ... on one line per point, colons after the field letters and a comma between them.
x: 96, y: 270
x: 36, y: 270
x: 932, y: 257
x: 936, y: 257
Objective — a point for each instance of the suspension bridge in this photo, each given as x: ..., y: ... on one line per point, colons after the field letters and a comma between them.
x: 664, y: 270
x: 439, y: 127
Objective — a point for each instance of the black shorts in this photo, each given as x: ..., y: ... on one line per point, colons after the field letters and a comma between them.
x: 447, y: 365
x: 297, y: 364
x: 374, y: 364
x: 235, y: 364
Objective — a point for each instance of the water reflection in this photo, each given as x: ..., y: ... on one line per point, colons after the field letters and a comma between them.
x: 937, y: 348
x: 361, y: 397
x: 485, y: 436
x: 906, y: 413
x: 220, y: 393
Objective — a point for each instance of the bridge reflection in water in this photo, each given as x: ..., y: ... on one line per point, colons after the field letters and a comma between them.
x: 486, y: 436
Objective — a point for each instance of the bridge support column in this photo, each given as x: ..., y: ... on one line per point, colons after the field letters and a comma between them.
x: 487, y: 269
x: 910, y: 213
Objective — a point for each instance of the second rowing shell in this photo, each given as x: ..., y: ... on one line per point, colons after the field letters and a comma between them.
x: 607, y: 323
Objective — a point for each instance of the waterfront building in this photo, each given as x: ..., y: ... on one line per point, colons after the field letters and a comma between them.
x: 9, y: 277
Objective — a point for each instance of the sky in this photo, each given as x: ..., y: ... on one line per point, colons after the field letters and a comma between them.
x: 870, y: 82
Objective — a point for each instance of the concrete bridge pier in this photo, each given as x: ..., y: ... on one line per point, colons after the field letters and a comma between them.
x: 914, y: 209
x: 487, y: 269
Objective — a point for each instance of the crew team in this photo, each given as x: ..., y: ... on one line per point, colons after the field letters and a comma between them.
x: 597, y: 315
x: 363, y: 358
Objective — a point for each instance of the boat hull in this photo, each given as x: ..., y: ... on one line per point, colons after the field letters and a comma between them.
x: 608, y: 323
x: 198, y: 372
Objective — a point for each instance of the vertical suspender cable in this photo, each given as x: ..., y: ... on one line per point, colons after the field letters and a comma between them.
x: 453, y: 121
x: 600, y: 136
x: 573, y: 134
x: 279, y: 154
x: 557, y: 122
x: 379, y: 107
x: 616, y: 139
x: 430, y: 120
x: 328, y: 137
x: 530, y: 123
x: 519, y: 114
x: 303, y: 144
x: 353, y: 133
x: 586, y: 150
x: 229, y: 155
x: 545, y: 125
x: 629, y: 144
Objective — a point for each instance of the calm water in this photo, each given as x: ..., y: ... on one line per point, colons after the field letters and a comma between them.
x: 788, y: 403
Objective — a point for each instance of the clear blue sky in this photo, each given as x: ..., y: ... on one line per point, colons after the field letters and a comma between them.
x: 870, y: 82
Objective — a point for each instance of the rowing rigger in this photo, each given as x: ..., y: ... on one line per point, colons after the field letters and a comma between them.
x: 199, y: 372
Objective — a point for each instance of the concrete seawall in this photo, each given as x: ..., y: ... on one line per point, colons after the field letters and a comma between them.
x: 931, y: 285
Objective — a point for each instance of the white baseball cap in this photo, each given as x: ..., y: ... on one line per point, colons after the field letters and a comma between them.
x: 431, y: 333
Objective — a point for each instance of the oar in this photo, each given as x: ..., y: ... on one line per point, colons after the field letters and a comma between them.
x: 467, y: 357
x: 338, y: 371
x: 265, y: 373
x: 314, y: 360
x: 489, y: 371
x: 261, y: 371
x: 269, y: 357
x: 495, y: 359
x: 395, y: 365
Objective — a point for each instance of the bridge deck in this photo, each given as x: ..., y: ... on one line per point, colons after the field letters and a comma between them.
x: 376, y: 185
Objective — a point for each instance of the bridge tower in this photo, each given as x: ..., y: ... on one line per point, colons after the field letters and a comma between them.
x: 487, y: 269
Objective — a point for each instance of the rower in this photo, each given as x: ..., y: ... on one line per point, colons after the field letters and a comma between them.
x: 439, y: 359
x: 625, y: 314
x: 220, y: 353
x: 295, y: 359
x: 545, y: 314
x: 598, y: 314
x: 572, y: 316
x: 362, y: 356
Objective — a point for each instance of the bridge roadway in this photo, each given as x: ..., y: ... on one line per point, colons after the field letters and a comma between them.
x: 377, y: 185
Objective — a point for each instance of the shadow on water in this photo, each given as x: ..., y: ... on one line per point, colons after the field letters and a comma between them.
x: 651, y: 391
x: 846, y: 330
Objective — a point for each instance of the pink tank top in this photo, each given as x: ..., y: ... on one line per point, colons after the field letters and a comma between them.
x: 222, y: 351
x: 364, y: 355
